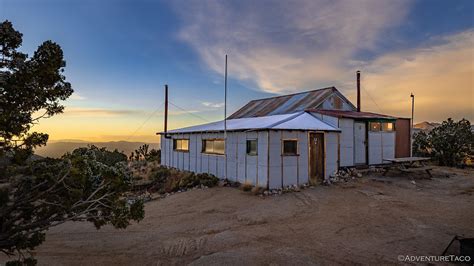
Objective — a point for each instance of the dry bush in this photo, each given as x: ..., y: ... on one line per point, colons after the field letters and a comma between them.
x: 246, y: 187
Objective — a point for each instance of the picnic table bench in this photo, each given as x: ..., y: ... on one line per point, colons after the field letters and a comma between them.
x: 408, y: 165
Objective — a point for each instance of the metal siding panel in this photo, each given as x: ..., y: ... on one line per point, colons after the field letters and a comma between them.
x: 290, y: 176
x: 220, y: 167
x: 331, y: 154
x: 241, y: 157
x: 275, y: 160
x: 231, y: 146
x: 360, y: 150
x: 213, y: 164
x: 192, y: 152
x: 262, y: 158
x: 333, y: 121
x: 275, y: 177
x: 251, y: 166
x: 388, y: 143
x: 375, y: 148
x: 303, y: 161
x: 347, y: 142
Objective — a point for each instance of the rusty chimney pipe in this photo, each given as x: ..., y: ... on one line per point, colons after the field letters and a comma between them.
x: 358, y: 91
x: 166, y: 112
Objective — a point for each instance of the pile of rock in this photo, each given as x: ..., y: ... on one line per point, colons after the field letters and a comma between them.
x: 287, y: 189
x: 343, y: 175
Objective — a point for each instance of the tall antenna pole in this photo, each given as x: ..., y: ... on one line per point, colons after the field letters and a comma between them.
x: 225, y: 119
x: 166, y: 111
x: 412, y: 116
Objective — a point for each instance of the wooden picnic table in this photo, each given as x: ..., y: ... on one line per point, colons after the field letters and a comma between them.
x: 408, y: 165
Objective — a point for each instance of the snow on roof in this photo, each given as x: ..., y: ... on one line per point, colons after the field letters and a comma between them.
x: 295, y: 121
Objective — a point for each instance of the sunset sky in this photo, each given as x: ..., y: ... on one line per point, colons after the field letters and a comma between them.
x: 120, y: 53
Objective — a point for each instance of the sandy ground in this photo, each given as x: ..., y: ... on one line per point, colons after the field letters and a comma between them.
x: 370, y: 220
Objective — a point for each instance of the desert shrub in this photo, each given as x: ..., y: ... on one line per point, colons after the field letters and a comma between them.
x: 256, y: 190
x: 449, y: 144
x: 154, y: 155
x: 246, y: 187
x: 171, y: 180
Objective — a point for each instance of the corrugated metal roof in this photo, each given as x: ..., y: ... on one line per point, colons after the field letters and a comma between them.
x: 295, y: 121
x: 351, y: 114
x: 285, y: 104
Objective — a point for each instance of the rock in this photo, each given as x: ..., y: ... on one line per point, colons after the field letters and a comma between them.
x: 413, y: 182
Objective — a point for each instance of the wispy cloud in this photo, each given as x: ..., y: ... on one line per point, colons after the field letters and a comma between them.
x: 440, y: 75
x: 99, y: 112
x: 77, y: 96
x: 281, y: 46
x: 213, y: 105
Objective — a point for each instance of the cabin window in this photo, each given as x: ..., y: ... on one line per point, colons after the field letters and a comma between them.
x: 181, y: 144
x: 388, y: 126
x: 252, y: 145
x: 213, y: 146
x: 290, y: 147
x: 375, y: 126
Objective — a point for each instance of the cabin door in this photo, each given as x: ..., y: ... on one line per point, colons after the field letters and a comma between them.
x: 360, y: 143
x: 316, y: 158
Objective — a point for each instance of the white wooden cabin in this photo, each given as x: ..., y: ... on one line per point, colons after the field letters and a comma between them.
x: 287, y: 140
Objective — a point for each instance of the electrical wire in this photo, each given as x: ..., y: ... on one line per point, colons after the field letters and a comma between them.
x: 146, y: 120
x: 190, y: 113
x: 380, y: 109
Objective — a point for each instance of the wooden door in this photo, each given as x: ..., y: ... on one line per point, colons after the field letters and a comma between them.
x: 316, y: 158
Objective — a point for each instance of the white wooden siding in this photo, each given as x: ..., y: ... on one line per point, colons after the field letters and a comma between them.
x: 346, y: 142
x: 267, y: 168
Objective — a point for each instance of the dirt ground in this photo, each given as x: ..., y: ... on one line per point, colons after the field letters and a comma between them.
x: 370, y: 220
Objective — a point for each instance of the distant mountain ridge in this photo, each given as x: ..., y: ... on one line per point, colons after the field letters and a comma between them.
x: 426, y: 126
x: 56, y: 149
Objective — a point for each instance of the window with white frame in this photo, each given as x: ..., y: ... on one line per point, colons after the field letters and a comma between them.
x: 181, y: 144
x: 213, y: 146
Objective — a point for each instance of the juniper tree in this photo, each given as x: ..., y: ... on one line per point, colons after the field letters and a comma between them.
x: 88, y: 184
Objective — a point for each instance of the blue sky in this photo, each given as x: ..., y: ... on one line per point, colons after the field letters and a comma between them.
x: 120, y: 54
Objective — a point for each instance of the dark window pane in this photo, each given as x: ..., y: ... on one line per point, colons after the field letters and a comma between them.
x: 290, y: 147
x: 252, y: 147
x: 375, y: 126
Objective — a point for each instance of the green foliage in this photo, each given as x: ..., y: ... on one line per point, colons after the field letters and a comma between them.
x: 154, y: 155
x: 28, y: 86
x: 421, y: 144
x: 102, y: 155
x: 143, y: 153
x: 171, y: 180
x: 78, y: 187
x: 89, y: 184
x: 449, y: 144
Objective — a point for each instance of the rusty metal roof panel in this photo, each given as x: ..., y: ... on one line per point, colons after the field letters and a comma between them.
x: 284, y: 104
x: 351, y: 114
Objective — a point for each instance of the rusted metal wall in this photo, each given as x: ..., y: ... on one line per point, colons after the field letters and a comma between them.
x: 402, y: 141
